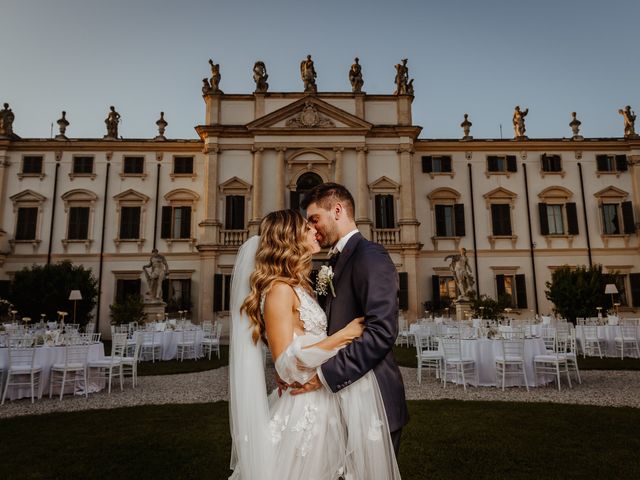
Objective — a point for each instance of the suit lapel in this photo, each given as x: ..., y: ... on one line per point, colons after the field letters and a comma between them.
x: 343, y: 260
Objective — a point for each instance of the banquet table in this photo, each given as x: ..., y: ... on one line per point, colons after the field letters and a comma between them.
x: 169, y: 340
x: 606, y: 332
x: 45, y: 357
x: 484, y: 352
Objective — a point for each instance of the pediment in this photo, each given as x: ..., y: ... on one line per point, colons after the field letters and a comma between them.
x: 500, y: 193
x: 235, y: 186
x: 611, y: 192
x: 443, y: 193
x: 181, y: 195
x: 555, y: 192
x: 79, y: 195
x: 131, y: 196
x: 27, y: 196
x: 309, y: 113
x: 384, y: 184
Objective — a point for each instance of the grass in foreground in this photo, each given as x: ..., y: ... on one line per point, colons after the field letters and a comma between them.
x: 444, y: 440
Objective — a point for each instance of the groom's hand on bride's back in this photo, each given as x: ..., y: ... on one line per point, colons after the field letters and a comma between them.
x: 310, y: 386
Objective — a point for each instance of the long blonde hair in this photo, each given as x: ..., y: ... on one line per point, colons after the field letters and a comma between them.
x: 283, y: 255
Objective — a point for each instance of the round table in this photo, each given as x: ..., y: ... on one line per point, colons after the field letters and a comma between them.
x: 169, y: 340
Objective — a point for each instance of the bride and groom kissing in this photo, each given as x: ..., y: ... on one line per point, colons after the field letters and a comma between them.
x: 340, y: 406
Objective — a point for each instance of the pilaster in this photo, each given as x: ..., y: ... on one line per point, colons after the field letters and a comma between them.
x: 362, y: 193
x: 211, y: 223
x: 339, y: 166
x: 256, y: 199
x: 208, y: 265
x: 212, y: 103
x: 408, y: 222
x: 4, y: 167
x: 280, y: 173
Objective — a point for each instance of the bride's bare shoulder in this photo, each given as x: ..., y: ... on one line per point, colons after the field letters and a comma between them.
x: 280, y: 292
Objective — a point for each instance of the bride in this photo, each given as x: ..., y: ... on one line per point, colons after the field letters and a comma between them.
x: 318, y: 435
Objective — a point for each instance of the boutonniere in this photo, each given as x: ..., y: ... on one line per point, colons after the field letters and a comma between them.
x: 325, y: 279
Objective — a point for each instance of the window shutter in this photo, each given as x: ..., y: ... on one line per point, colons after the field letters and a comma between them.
x: 500, y: 290
x: 557, y: 163
x: 435, y: 288
x: 390, y: 212
x: 492, y: 163
x: 512, y: 166
x: 403, y: 292
x: 572, y: 218
x: 238, y: 213
x: 165, y: 229
x: 544, y: 221
x: 501, y: 219
x: 441, y: 228
x: 521, y: 292
x: 627, y: 218
x: 446, y: 164
x: 458, y: 212
x: 621, y: 163
x: 545, y: 162
x: 379, y: 200
x: 26, y: 225
x: 601, y: 161
x: 227, y: 292
x: 634, y: 280
x: 166, y: 295
x: 427, y: 164
x: 185, y: 223
x: 217, y: 292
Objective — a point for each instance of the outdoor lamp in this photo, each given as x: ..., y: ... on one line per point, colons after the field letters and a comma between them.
x: 75, y: 295
x: 611, y: 289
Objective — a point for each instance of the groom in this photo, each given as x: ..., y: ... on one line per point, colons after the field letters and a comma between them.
x: 365, y: 283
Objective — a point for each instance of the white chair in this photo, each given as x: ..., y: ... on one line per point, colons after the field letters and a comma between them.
x: 510, y: 363
x: 592, y: 344
x: 572, y: 354
x: 150, y: 345
x: 211, y: 341
x: 106, y: 366
x: 187, y: 344
x: 21, y: 364
x: 427, y: 353
x: 130, y: 363
x: 75, y: 363
x: 627, y: 338
x: 453, y: 362
x: 403, y: 331
x: 554, y: 363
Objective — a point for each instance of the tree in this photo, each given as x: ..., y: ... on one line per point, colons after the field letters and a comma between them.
x: 576, y: 292
x: 486, y: 307
x: 130, y: 310
x: 45, y: 289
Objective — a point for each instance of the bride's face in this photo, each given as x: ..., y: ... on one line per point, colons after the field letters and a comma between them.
x: 310, y: 239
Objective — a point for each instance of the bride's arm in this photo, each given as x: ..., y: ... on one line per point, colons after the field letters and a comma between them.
x: 342, y: 337
x: 279, y: 317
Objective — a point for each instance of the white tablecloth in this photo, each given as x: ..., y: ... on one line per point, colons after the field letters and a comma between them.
x: 606, y: 332
x: 169, y: 340
x: 45, y: 358
x: 484, y: 353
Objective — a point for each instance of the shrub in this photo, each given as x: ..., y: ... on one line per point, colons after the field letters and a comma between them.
x: 131, y: 310
x: 486, y: 307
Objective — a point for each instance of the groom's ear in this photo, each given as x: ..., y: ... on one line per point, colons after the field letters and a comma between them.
x: 338, y: 210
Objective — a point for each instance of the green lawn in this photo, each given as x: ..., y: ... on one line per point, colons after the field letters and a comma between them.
x: 444, y: 440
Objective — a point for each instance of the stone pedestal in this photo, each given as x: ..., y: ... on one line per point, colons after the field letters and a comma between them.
x: 462, y: 307
x: 152, y: 310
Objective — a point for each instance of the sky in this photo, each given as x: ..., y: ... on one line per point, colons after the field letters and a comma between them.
x: 466, y: 56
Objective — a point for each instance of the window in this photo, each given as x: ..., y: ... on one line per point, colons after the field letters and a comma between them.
x: 129, y: 223
x: 558, y: 216
x: 221, y: 292
x: 385, y: 211
x: 82, y: 165
x: 183, y: 165
x: 450, y: 220
x: 27, y: 223
x: 616, y: 213
x: 127, y: 288
x: 501, y: 219
x: 436, y: 164
x: 610, y: 219
x: 634, y: 283
x: 78, y: 228
x: 176, y: 222
x: 305, y: 182
x: 621, y: 297
x: 133, y: 165
x: 551, y: 163
x: 611, y: 163
x: 32, y: 165
x: 554, y: 220
x: 234, y: 212
x: 444, y: 290
x: 514, y: 287
x: 177, y: 293
x: 501, y: 163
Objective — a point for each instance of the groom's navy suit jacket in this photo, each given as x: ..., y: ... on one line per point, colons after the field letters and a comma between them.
x: 366, y: 284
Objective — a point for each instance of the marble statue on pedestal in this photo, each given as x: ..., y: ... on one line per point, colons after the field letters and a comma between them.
x: 355, y: 76
x: 462, y: 274
x: 215, y: 77
x: 63, y: 123
x: 155, y: 272
x: 629, y: 121
x: 260, y: 76
x: 519, y: 128
x: 6, y: 121
x: 112, y: 120
x: 308, y: 74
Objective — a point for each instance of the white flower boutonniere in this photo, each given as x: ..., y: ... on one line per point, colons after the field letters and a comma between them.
x: 325, y: 279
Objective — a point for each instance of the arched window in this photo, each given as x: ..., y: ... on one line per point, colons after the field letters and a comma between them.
x: 305, y: 182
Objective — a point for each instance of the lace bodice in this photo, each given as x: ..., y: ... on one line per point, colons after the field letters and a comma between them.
x: 313, y: 317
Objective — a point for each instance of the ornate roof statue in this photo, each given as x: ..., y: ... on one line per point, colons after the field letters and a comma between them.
x: 629, y: 121
x: 466, y: 127
x: 308, y: 74
x: 112, y: 120
x: 519, y: 128
x: 162, y: 125
x: 6, y: 121
x: 575, y: 126
x: 215, y: 78
x: 355, y: 76
x: 260, y: 76
x: 63, y: 123
x: 402, y: 79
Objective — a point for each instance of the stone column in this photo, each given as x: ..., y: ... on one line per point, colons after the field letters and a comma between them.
x: 410, y: 261
x: 280, y: 173
x: 212, y: 103
x: 256, y: 197
x: 408, y: 222
x: 634, y: 170
x: 211, y: 222
x: 339, y: 166
x: 208, y: 264
x: 362, y: 193
x: 4, y: 165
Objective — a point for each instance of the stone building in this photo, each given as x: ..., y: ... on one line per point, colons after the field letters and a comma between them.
x: 520, y: 207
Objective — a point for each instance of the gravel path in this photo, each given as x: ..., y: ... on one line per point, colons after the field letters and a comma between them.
x: 599, y: 387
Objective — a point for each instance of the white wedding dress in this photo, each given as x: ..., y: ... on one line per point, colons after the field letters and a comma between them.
x: 317, y: 435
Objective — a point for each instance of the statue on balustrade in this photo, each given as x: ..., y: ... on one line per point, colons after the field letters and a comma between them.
x: 308, y: 74
x: 355, y: 76
x: 629, y: 121
x: 519, y: 128
x: 155, y: 272
x: 575, y: 126
x: 466, y: 127
x: 6, y: 121
x: 112, y: 120
x: 402, y: 78
x: 260, y: 76
x: 462, y: 274
x: 215, y: 77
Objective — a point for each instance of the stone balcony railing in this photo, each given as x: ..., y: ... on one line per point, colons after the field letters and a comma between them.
x: 233, y: 237
x: 387, y: 236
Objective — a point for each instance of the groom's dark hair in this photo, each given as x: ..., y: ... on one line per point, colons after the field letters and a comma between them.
x: 328, y: 193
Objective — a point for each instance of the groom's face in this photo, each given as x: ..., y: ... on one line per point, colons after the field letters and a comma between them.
x: 325, y: 224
